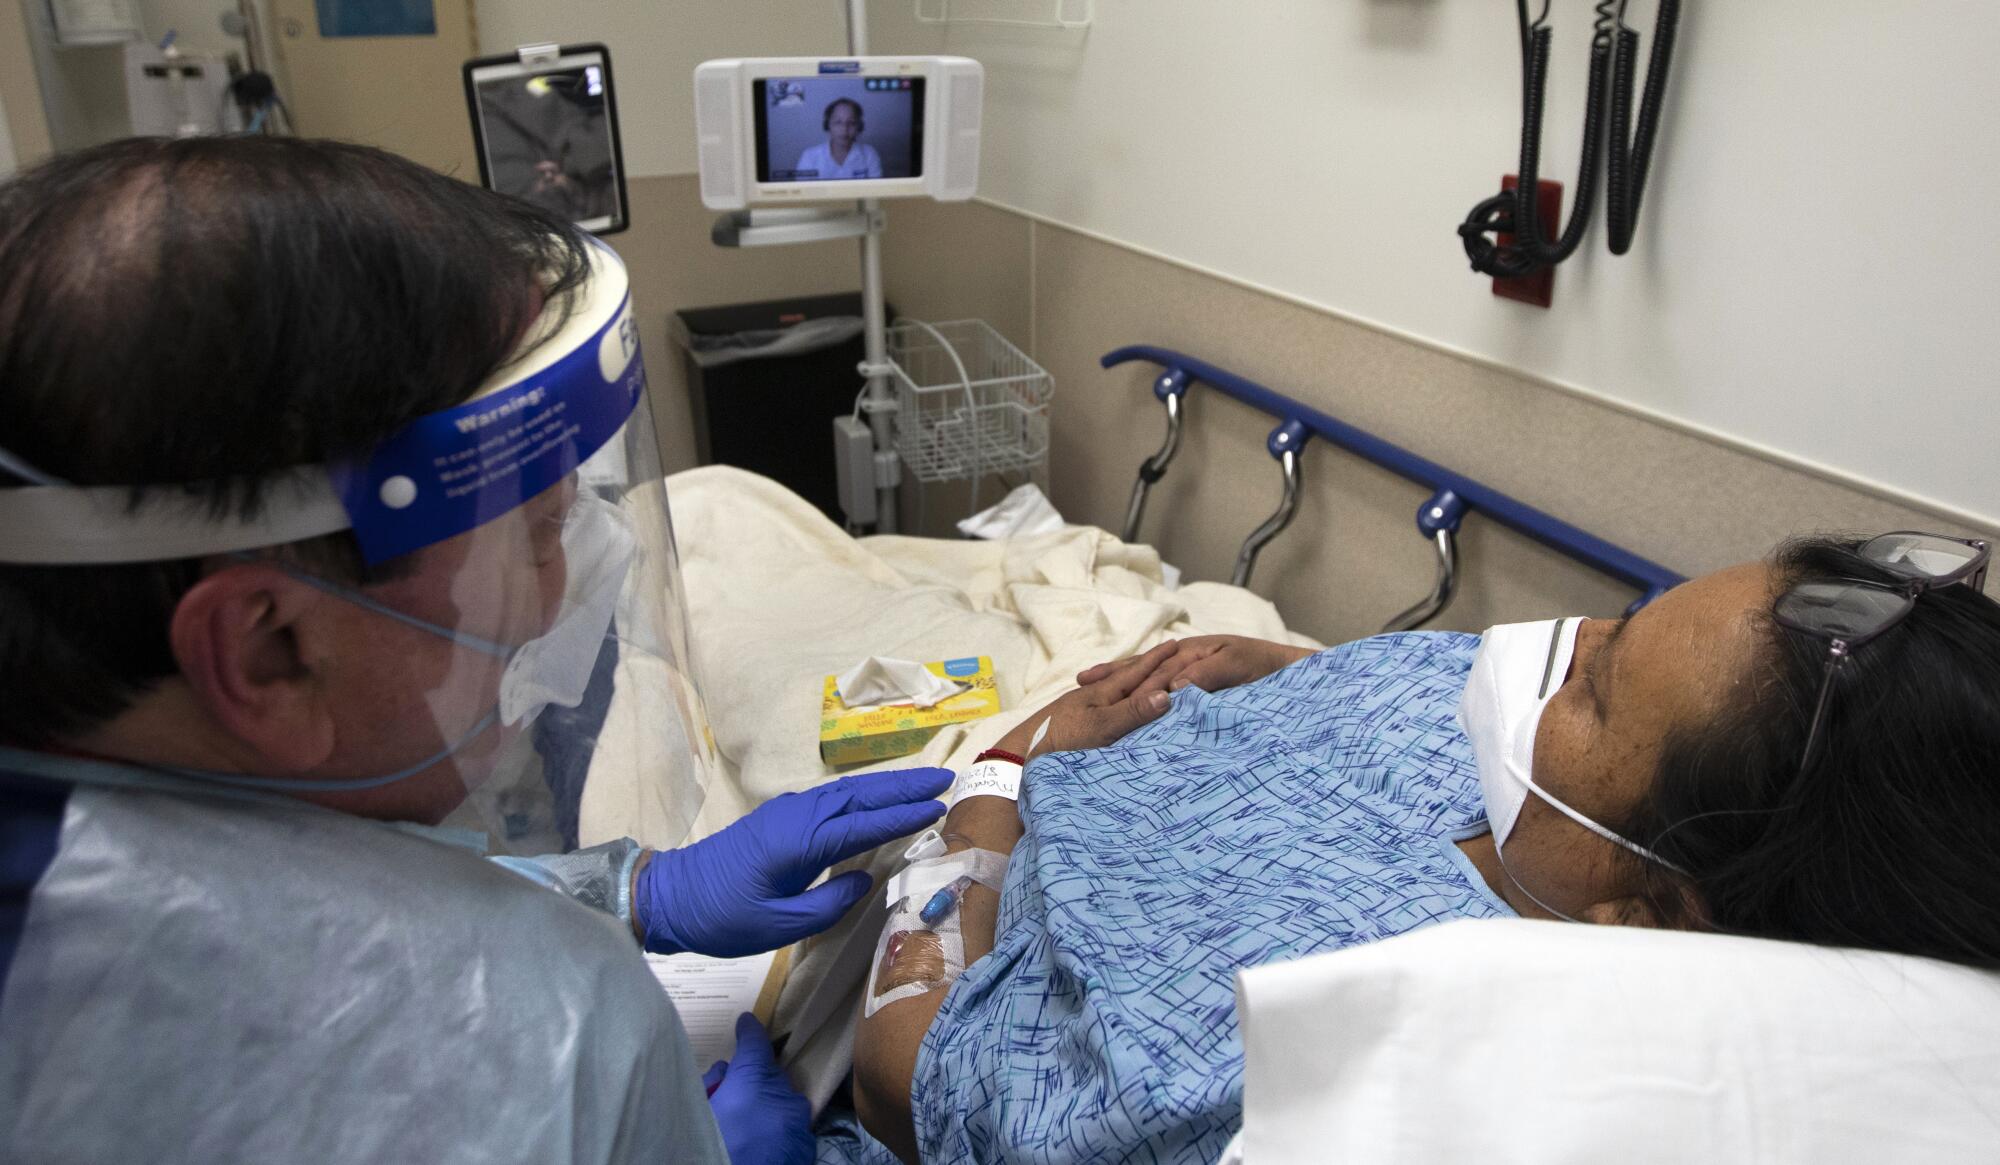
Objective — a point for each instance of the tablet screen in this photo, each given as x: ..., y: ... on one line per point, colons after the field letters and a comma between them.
x: 548, y: 140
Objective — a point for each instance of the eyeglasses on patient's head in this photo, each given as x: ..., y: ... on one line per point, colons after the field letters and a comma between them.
x: 1848, y: 613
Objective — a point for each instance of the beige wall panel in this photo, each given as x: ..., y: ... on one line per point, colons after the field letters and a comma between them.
x: 954, y: 261
x: 1353, y: 557
x: 674, y: 265
x: 404, y: 94
x: 960, y: 260
x: 19, y: 94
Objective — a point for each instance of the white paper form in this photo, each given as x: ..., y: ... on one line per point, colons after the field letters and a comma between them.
x: 709, y: 994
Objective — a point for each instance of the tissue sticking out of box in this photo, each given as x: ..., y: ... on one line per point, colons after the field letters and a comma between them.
x: 878, y: 682
x: 850, y: 735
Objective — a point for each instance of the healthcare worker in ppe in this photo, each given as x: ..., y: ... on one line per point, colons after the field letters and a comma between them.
x: 332, y: 537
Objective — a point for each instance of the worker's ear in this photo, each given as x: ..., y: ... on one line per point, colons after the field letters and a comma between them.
x: 237, y: 637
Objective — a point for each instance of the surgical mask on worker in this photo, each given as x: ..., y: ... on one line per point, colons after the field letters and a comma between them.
x: 1517, y: 671
x: 554, y: 668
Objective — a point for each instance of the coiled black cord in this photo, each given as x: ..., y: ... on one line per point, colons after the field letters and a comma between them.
x: 1527, y: 225
x: 1613, y: 63
x: 1631, y: 156
x: 1510, y: 212
x: 1519, y: 213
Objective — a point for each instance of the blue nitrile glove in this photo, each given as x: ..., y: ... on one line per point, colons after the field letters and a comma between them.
x: 764, y: 1121
x: 743, y: 890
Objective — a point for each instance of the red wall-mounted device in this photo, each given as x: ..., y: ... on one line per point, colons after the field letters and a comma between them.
x: 1538, y: 289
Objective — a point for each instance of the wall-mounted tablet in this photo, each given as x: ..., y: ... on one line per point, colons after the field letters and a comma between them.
x: 545, y: 123
x: 802, y: 129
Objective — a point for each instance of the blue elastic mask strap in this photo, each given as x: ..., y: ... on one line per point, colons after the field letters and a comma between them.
x: 349, y: 594
x: 130, y: 773
x: 13, y: 464
x: 288, y: 785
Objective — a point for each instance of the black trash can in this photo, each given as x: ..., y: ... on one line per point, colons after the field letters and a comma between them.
x: 766, y: 380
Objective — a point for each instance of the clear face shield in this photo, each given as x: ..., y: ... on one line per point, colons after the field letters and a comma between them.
x: 515, y: 660
x: 592, y: 708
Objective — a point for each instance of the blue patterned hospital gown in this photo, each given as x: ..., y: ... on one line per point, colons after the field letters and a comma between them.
x: 1310, y: 811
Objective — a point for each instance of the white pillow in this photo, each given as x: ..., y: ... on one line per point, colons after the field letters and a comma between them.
x: 1510, y: 1040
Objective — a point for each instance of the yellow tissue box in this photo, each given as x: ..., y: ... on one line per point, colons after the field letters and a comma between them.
x: 849, y: 737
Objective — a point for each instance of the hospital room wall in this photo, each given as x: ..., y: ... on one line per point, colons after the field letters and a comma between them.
x: 1811, y: 271
x: 674, y: 265
x: 1691, y: 499
x: 1353, y: 557
x: 1069, y: 293
x: 27, y: 129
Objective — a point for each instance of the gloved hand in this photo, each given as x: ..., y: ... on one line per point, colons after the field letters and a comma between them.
x: 764, y: 1121
x: 743, y: 890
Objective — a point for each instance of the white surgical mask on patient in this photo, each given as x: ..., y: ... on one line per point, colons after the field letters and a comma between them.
x: 1518, y: 670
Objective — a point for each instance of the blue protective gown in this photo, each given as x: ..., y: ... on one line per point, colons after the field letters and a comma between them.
x: 227, y: 978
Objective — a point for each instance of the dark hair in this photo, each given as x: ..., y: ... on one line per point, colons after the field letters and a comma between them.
x: 860, y: 116
x: 213, y: 312
x: 1889, y: 840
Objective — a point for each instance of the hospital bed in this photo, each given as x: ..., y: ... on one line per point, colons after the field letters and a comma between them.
x: 780, y: 598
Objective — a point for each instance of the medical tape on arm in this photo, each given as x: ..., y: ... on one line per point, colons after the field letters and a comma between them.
x: 922, y: 947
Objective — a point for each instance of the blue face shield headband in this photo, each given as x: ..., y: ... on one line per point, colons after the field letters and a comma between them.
x: 445, y: 474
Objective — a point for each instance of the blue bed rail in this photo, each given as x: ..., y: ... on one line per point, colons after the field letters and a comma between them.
x: 1454, y: 494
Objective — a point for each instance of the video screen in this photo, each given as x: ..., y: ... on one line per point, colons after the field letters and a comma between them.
x: 548, y: 140
x: 839, y: 128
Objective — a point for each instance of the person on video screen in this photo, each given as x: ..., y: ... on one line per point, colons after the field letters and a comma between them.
x: 843, y: 155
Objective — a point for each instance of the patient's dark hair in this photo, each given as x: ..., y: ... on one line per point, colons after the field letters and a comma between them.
x: 1891, y: 840
x: 214, y: 311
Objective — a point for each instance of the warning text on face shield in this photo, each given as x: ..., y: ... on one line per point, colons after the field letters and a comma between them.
x: 531, y: 399
x: 451, y: 471
x: 529, y: 437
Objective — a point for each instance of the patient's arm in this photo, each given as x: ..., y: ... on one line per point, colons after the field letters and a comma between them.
x: 885, y: 1046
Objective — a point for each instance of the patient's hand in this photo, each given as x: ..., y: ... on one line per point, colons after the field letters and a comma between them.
x: 1112, y: 704
x: 1209, y: 662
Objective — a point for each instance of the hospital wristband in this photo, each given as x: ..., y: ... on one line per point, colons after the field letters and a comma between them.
x: 989, y: 777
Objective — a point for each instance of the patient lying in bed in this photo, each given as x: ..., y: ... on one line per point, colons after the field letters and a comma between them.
x: 1336, y: 799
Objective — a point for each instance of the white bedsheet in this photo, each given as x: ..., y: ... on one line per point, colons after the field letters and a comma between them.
x: 1503, y: 1041
x: 780, y: 597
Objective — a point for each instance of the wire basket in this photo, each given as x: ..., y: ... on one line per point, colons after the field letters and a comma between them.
x: 1024, y: 13
x: 968, y: 403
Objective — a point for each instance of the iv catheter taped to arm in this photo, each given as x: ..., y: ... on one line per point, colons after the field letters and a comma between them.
x: 923, y: 946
